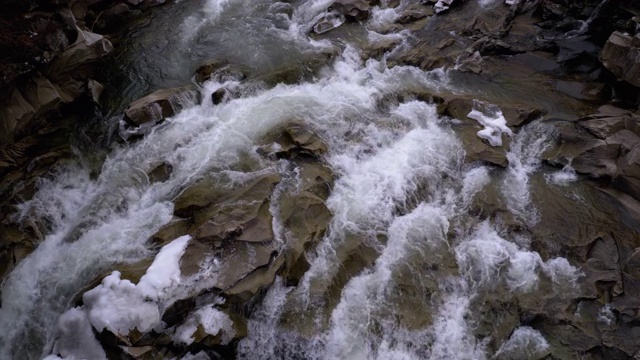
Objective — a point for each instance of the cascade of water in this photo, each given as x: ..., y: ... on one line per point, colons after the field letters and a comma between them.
x: 584, y: 25
x: 403, y: 194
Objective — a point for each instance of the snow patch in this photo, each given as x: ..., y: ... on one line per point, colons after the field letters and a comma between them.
x: 213, y: 322
x: 494, y: 125
x: 119, y: 305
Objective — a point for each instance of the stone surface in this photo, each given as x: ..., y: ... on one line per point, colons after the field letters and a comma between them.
x: 158, y: 105
x: 622, y: 58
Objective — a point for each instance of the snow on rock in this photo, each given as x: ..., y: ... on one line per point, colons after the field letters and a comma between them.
x: 120, y: 305
x: 442, y: 5
x: 494, y: 124
x: 213, y: 322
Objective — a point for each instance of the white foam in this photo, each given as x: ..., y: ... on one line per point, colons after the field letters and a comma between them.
x: 561, y: 272
x: 606, y: 315
x: 524, y: 158
x: 487, y: 256
x: 263, y: 327
x: 452, y: 331
x: 563, y: 177
x: 524, y: 343
x: 422, y: 230
x: 75, y: 339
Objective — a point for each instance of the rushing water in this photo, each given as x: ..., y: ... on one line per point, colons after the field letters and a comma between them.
x: 403, y: 193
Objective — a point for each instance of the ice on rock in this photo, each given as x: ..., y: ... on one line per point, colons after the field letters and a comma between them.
x: 119, y: 306
x: 493, y: 121
x: 213, y: 322
x: 442, y: 5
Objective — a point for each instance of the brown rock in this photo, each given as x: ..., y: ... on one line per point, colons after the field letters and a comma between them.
x: 220, y: 71
x: 158, y: 105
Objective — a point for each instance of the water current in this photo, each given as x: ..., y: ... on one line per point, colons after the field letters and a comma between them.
x: 407, y: 270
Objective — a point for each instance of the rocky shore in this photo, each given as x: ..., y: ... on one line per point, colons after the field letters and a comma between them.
x: 573, y: 65
x: 51, y: 54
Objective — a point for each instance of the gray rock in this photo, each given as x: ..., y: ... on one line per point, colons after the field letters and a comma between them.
x: 95, y: 90
x: 356, y: 9
x: 622, y: 58
x: 220, y: 71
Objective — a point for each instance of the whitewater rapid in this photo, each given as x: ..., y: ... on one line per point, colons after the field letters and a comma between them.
x: 403, y: 195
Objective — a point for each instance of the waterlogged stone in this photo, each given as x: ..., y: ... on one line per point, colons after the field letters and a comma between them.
x: 356, y: 9
x: 159, y: 105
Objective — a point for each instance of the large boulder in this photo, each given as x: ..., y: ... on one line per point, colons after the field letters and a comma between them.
x: 354, y: 9
x: 604, y: 145
x: 70, y: 70
x: 159, y: 105
x: 621, y: 56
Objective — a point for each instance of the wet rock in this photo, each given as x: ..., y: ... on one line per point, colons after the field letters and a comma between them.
x: 329, y: 22
x: 414, y: 12
x: 218, y: 96
x: 595, y: 92
x: 478, y: 150
x: 220, y: 71
x: 244, y: 216
x: 173, y: 230
x: 295, y: 141
x: 621, y: 57
x: 161, y: 173
x: 26, y: 103
x: 79, y: 9
x: 223, y: 95
x: 472, y: 63
x: 515, y: 114
x: 95, y: 90
x: 76, y: 61
x: 116, y: 10
x: 354, y: 9
x: 158, y: 105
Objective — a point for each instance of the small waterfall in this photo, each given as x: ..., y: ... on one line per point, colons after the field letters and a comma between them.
x: 584, y: 25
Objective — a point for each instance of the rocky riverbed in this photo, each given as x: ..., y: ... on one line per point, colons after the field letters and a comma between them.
x: 322, y: 179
